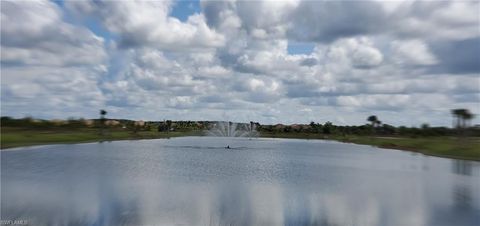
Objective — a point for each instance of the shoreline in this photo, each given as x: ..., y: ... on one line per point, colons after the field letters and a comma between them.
x: 26, y: 138
x: 414, y: 150
x: 444, y: 147
x: 472, y: 152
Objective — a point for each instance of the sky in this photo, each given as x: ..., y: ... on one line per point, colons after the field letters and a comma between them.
x: 408, y: 62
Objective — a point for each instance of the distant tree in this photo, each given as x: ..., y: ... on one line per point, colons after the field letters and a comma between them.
x: 102, y: 121
x: 8, y: 121
x: 314, y: 127
x: 102, y: 116
x: 103, y: 113
x: 169, y: 125
x: 328, y: 128
x: 425, y: 126
x: 6, y: 118
x: 162, y: 127
x: 388, y: 129
x: 457, y: 114
x: 463, y: 116
x: 426, y: 131
x: 373, y: 120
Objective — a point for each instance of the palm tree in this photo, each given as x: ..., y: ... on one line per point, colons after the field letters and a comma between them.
x: 375, y: 122
x: 103, y: 113
x: 373, y: 119
x: 462, y: 116
x: 102, y: 121
x: 458, y: 114
x: 169, y: 125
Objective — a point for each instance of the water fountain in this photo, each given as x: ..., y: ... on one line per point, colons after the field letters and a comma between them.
x: 231, y: 129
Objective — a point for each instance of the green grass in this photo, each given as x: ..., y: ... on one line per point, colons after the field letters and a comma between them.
x: 450, y: 147
x: 19, y: 137
x: 295, y: 135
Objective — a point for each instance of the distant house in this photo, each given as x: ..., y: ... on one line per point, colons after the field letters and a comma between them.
x: 279, y: 127
x: 58, y: 122
x: 140, y: 123
x: 112, y: 123
x: 296, y: 127
x: 88, y: 122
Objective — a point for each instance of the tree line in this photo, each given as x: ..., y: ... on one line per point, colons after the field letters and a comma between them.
x: 461, y: 126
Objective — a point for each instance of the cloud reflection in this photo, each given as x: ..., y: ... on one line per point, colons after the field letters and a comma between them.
x: 138, y: 183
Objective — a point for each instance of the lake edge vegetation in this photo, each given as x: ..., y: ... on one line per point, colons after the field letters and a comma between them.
x: 461, y: 142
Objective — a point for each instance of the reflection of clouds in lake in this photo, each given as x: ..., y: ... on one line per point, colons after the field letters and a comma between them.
x: 232, y: 204
x: 236, y: 205
x: 462, y: 167
x: 341, y: 210
x: 462, y: 196
x: 270, y: 183
x: 266, y: 201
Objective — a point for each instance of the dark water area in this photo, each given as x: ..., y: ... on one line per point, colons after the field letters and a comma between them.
x: 197, y: 181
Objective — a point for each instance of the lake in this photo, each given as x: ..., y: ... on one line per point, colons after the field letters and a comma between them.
x: 259, y: 181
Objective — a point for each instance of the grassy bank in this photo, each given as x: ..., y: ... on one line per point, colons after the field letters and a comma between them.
x: 19, y: 137
x: 450, y: 147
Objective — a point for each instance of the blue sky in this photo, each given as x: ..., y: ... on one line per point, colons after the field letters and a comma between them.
x: 300, y: 47
x: 274, y: 62
x: 183, y: 9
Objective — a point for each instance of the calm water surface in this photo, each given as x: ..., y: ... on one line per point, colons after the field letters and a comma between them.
x: 196, y: 181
